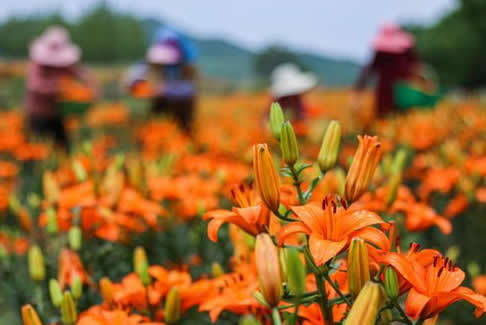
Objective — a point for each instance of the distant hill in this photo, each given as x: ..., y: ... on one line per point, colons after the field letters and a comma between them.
x: 225, y: 60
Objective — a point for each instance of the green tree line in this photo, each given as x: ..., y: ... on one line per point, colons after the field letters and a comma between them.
x: 456, y: 44
x: 104, y: 35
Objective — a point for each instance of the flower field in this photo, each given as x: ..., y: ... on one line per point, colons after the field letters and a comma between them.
x: 249, y: 220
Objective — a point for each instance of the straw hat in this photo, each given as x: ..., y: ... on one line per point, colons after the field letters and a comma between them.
x: 392, y: 39
x: 54, y: 48
x: 288, y: 80
x: 164, y: 53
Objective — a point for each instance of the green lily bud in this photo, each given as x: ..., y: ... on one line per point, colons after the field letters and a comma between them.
x: 69, y: 314
x: 51, y: 221
x: 75, y: 238
x: 37, y: 267
x: 295, y: 272
x: 366, y: 306
x: 55, y: 293
x: 276, y: 119
x: 393, y: 186
x: 288, y: 144
x: 173, y: 306
x: 77, y: 288
x: 79, y: 171
x: 398, y: 161
x: 141, y: 265
x: 358, y: 266
x: 392, y: 286
x: 330, y: 147
x: 216, y: 270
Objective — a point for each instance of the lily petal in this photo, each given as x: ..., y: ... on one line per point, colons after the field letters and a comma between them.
x: 323, y: 250
x: 291, y: 229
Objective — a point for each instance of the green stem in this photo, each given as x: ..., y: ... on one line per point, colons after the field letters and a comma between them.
x: 402, y: 313
x: 420, y: 321
x: 336, y: 288
x: 323, y: 300
x: 296, y: 313
x: 276, y: 317
x: 297, y: 183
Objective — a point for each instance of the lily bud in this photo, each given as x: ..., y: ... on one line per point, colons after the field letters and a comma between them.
x: 330, y: 147
x: 398, y: 161
x: 29, y: 316
x: 266, y: 177
x: 216, y: 270
x: 106, y: 289
x: 77, y: 288
x: 358, y: 266
x: 75, y: 238
x: 69, y: 313
x: 55, y: 293
x: 79, y: 171
x: 393, y: 186
x: 173, y: 306
x: 288, y: 144
x: 392, y: 286
x: 268, y: 269
x: 295, y: 272
x: 141, y: 265
x: 366, y: 306
x: 37, y: 268
x: 249, y: 320
x: 50, y: 187
x: 276, y: 119
x: 51, y: 221
x: 362, y: 168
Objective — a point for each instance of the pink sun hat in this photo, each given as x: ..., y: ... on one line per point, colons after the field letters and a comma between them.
x: 392, y: 39
x: 164, y: 53
x: 54, y: 49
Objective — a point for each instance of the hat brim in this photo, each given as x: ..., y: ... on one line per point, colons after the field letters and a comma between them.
x: 160, y: 54
x: 299, y: 84
x: 398, y: 43
x: 68, y: 55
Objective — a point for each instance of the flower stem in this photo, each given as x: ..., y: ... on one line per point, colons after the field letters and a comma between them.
x: 402, y: 312
x: 276, y: 317
x: 336, y: 288
x: 297, y: 183
x: 323, y: 300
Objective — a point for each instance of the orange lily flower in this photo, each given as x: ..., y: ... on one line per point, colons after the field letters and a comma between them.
x: 99, y: 316
x: 235, y: 294
x: 330, y: 227
x: 435, y: 282
x: 420, y: 216
x: 70, y: 266
x: 251, y: 215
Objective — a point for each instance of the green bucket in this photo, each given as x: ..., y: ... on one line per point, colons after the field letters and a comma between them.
x: 407, y: 97
x: 70, y: 108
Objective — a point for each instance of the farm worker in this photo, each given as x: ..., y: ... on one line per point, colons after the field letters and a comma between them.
x: 53, y: 58
x: 289, y: 86
x: 171, y: 73
x: 394, y: 60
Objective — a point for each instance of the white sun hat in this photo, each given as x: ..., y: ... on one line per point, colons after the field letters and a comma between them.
x: 54, y: 48
x: 287, y: 80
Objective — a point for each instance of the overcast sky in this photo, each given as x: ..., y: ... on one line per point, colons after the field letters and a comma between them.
x: 333, y: 27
